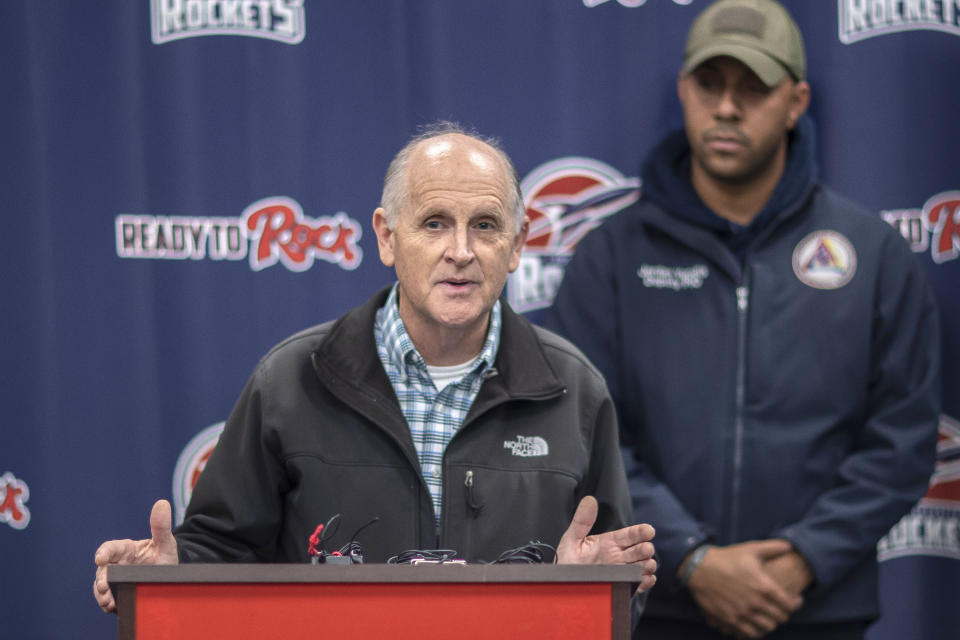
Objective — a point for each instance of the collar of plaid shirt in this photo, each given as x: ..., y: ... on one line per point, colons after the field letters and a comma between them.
x: 433, y: 417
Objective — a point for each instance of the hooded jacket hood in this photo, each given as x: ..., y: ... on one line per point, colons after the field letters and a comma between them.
x: 666, y: 183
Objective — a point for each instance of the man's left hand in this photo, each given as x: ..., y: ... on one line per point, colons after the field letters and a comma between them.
x: 790, y: 571
x: 630, y: 545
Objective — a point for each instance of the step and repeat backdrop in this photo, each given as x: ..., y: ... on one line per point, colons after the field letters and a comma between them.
x: 189, y: 181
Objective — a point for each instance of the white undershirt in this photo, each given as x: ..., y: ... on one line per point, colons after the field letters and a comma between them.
x: 443, y: 376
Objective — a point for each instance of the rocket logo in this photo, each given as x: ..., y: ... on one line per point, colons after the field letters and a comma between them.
x: 932, y: 526
x: 190, y: 465
x: 945, y: 484
x: 564, y: 199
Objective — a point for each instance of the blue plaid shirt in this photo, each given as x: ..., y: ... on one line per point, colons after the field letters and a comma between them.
x: 433, y: 417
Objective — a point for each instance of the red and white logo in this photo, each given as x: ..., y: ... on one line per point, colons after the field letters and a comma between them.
x: 278, y: 230
x: 565, y: 199
x: 941, y: 214
x: 190, y: 465
x: 270, y: 230
x: 932, y: 528
x: 14, y: 493
x: 945, y: 484
x: 935, y: 227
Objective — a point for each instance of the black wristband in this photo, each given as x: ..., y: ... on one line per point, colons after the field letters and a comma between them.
x: 696, y: 557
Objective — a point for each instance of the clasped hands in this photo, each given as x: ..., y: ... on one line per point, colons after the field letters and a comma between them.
x: 749, y: 589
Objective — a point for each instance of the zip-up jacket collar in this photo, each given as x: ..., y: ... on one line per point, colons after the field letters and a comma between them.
x: 348, y: 357
x: 666, y: 183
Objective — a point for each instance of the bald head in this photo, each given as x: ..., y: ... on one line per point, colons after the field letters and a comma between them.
x: 442, y: 149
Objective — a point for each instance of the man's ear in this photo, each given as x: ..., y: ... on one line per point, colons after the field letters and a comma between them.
x: 799, y: 101
x: 384, y: 236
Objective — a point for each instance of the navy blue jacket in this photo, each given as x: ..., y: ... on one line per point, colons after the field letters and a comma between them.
x: 752, y: 404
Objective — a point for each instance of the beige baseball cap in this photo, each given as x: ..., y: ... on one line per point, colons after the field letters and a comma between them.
x: 758, y: 33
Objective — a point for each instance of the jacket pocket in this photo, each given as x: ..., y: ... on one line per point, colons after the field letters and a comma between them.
x: 495, y: 509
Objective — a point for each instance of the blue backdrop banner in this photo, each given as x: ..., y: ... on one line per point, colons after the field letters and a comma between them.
x: 190, y: 181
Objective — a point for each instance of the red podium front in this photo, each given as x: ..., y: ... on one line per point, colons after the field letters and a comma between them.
x: 372, y: 601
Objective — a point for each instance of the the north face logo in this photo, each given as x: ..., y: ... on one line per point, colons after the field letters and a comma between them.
x: 527, y: 446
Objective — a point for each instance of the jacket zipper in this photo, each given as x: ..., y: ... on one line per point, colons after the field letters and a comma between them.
x: 473, y: 506
x: 468, y: 483
x: 743, y: 304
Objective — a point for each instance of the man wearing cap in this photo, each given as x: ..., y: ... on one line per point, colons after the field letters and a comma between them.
x: 771, y: 348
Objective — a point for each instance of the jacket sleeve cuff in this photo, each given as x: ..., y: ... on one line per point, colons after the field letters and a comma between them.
x: 668, y: 575
x: 792, y: 535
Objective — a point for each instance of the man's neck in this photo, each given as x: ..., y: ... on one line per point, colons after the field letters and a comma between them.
x: 738, y: 201
x: 444, y: 346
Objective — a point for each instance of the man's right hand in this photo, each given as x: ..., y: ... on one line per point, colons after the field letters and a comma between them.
x: 735, y: 592
x: 161, y: 548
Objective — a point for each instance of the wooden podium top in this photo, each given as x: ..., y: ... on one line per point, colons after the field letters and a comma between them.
x: 400, y: 573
